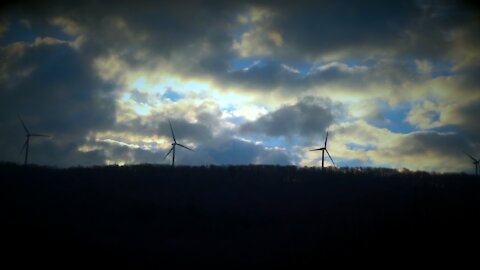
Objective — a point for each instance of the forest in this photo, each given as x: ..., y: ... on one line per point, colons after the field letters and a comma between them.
x: 149, y: 216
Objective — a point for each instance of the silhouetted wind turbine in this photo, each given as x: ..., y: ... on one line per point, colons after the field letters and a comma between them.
x: 324, y: 149
x: 475, y: 162
x: 174, y: 143
x: 26, y: 145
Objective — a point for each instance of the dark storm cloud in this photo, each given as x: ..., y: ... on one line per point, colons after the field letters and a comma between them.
x: 469, y: 118
x: 330, y: 26
x: 59, y: 85
x: 198, y: 35
x: 413, y: 27
x: 306, y: 118
x: 385, y: 37
x: 62, y: 152
x: 57, y: 93
x: 143, y: 32
x: 441, y: 144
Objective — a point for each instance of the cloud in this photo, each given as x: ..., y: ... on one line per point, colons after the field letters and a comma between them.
x: 419, y: 150
x: 275, y: 156
x: 306, y: 118
x: 57, y: 93
x: 468, y: 117
x: 264, y: 75
x: 231, y: 151
x: 3, y: 27
x: 222, y: 150
x: 70, y: 69
x: 429, y: 151
x: 185, y: 130
x: 259, y: 40
x: 424, y: 143
x: 425, y: 115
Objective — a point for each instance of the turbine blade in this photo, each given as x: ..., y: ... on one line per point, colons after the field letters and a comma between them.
x: 23, y: 148
x: 316, y: 149
x: 474, y: 159
x: 171, y: 129
x: 171, y: 149
x: 23, y: 124
x: 330, y: 158
x: 326, y: 138
x: 185, y: 147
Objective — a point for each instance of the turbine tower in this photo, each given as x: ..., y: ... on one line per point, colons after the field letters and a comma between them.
x: 26, y: 145
x: 174, y: 143
x: 324, y: 149
x: 475, y: 162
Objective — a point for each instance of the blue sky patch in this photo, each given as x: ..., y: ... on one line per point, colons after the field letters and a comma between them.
x: 172, y: 95
x: 361, y: 147
x: 394, y: 118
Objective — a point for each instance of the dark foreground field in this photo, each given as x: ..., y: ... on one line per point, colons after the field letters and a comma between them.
x: 151, y: 216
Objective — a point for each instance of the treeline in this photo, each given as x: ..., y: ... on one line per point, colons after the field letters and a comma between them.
x: 150, y: 215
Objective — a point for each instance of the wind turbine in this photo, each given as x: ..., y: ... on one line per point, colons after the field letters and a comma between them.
x: 26, y: 145
x: 475, y: 162
x: 324, y: 149
x: 174, y: 143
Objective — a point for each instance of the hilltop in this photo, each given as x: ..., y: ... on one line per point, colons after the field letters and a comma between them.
x: 148, y: 215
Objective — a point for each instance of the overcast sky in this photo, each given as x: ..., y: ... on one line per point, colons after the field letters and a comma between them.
x: 396, y: 84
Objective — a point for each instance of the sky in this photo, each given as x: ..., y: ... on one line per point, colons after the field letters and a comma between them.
x: 395, y: 83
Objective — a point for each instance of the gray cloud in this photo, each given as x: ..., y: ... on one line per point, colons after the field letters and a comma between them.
x: 434, y: 150
x: 413, y: 28
x: 421, y: 143
x: 469, y: 117
x: 230, y: 151
x: 144, y: 32
x: 57, y: 93
x: 274, y: 156
x: 306, y: 118
x: 264, y: 75
x: 196, y: 37
x: 53, y: 86
x: 363, y: 77
x: 183, y: 129
x: 221, y: 150
x: 157, y: 124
